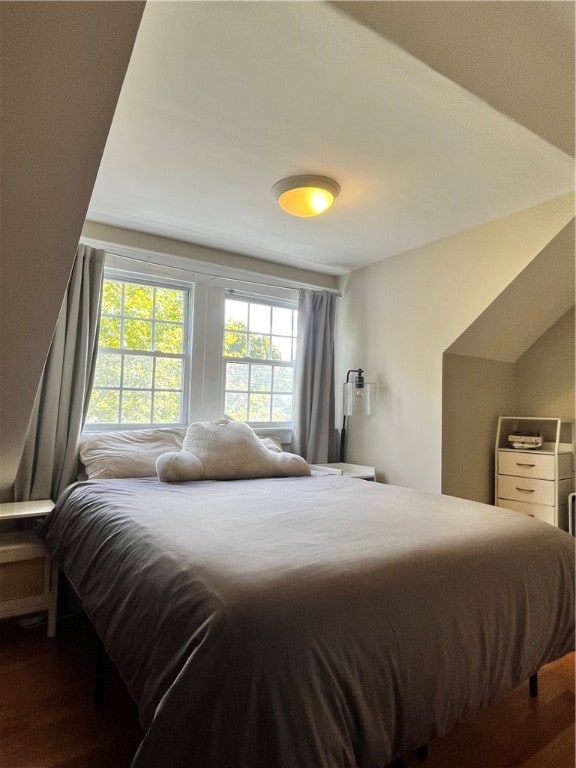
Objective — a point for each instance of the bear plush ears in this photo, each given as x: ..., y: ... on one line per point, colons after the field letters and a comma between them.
x: 226, y: 450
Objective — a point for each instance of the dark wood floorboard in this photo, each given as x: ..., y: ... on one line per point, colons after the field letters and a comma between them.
x: 48, y: 718
x: 516, y: 731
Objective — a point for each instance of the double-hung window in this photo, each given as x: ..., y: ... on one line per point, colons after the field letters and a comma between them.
x: 175, y: 348
x: 259, y: 352
x: 142, y: 369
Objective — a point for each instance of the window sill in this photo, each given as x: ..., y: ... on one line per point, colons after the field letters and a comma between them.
x: 283, y: 434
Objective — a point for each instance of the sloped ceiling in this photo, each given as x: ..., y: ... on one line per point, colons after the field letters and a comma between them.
x: 516, y: 56
x: 531, y: 304
x: 61, y: 70
x: 222, y: 99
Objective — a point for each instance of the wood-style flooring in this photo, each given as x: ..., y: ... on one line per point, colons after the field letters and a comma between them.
x: 48, y: 718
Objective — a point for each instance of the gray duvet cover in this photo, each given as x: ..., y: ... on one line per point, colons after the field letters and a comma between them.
x: 313, y: 622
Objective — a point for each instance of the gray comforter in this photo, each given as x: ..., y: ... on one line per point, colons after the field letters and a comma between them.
x: 313, y: 622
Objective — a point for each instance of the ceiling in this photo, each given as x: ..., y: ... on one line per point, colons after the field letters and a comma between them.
x: 223, y: 99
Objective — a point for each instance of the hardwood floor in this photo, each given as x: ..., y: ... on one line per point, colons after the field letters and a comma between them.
x: 48, y: 718
x: 517, y: 731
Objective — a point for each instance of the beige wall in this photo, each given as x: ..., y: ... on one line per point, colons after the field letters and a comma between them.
x: 527, y: 307
x: 475, y: 393
x: 516, y: 56
x: 61, y: 70
x: 397, y: 317
x: 544, y: 375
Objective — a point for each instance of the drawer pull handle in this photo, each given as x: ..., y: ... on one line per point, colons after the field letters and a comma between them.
x: 525, y: 490
x: 530, y: 466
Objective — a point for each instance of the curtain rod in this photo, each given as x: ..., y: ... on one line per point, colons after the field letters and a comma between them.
x: 216, y: 276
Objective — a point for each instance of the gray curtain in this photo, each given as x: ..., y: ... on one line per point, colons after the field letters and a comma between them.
x: 314, y: 435
x: 50, y: 457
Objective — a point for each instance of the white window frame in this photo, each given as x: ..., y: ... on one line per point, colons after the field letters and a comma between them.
x: 270, y: 427
x: 141, y: 278
x: 205, y: 378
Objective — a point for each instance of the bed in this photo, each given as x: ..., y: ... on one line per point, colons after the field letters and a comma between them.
x: 309, y: 622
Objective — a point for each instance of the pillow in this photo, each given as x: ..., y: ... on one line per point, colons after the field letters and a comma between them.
x: 226, y: 451
x: 272, y: 443
x: 128, y: 453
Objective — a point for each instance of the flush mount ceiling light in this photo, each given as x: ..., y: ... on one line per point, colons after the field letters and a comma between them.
x: 306, y: 196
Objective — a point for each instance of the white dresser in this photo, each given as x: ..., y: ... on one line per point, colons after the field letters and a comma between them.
x: 537, y: 482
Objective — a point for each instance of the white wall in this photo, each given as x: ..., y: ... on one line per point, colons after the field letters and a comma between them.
x: 397, y: 317
x: 178, y: 252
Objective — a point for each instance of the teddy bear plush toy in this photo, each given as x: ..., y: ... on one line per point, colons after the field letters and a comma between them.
x: 226, y: 450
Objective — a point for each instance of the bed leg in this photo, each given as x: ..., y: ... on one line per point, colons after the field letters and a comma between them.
x: 100, y: 679
x: 533, y: 686
x: 422, y: 752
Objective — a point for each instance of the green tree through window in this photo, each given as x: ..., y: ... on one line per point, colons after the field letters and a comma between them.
x: 140, y: 368
x: 238, y: 343
x: 259, y: 349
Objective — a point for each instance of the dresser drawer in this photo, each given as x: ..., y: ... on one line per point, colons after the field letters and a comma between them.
x: 539, y: 465
x: 524, y: 464
x: 527, y: 489
x: 544, y: 513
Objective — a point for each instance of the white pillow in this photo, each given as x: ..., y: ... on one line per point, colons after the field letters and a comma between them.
x: 128, y: 453
x: 272, y: 443
x: 226, y: 450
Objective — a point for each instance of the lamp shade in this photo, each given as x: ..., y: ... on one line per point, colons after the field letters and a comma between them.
x: 358, y: 400
x: 307, y: 195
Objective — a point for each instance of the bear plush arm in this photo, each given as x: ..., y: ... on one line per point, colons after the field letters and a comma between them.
x: 226, y: 450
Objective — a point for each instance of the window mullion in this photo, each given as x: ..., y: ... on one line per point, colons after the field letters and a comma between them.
x: 120, y: 398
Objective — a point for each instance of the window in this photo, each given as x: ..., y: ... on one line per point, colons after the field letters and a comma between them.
x: 259, y: 352
x: 177, y: 346
x: 142, y: 366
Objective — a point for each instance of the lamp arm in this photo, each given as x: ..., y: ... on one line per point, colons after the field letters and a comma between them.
x: 342, y: 440
x: 360, y: 383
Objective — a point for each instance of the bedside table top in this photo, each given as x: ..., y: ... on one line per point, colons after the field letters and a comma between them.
x: 17, y: 510
x: 352, y: 470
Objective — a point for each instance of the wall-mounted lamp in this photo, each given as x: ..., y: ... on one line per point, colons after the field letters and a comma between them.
x: 307, y: 195
x: 358, y: 397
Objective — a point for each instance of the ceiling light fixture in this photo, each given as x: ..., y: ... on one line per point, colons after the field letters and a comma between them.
x: 307, y: 195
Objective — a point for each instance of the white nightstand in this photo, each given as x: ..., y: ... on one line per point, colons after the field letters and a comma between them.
x: 352, y: 470
x: 28, y: 578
